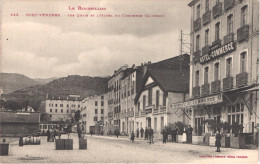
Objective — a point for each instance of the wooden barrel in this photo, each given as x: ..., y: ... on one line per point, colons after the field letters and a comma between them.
x: 31, y: 140
x: 27, y: 140
x: 37, y: 140
x: 24, y: 141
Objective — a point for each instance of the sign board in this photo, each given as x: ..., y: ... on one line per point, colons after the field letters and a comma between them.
x: 218, y: 51
x: 207, y: 100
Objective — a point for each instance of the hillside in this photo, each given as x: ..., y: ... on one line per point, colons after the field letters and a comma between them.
x: 83, y: 85
x: 46, y: 80
x: 11, y: 82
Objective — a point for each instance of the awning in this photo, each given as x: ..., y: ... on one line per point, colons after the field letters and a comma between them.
x: 256, y: 88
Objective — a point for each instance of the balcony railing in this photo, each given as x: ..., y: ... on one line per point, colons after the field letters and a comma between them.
x: 228, y: 83
x: 205, y: 50
x: 162, y: 108
x: 243, y: 33
x: 136, y: 114
x: 197, y: 24
x: 228, y: 4
x: 215, y: 86
x: 131, y: 114
x: 143, y: 113
x: 205, y: 89
x: 196, y: 57
x: 228, y: 38
x: 155, y: 110
x: 216, y: 42
x: 206, y: 17
x: 217, y: 10
x: 241, y: 79
x: 196, y: 91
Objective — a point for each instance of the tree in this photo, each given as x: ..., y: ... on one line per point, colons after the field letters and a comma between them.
x: 77, y: 116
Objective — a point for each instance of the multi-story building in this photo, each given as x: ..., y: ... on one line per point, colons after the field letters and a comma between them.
x: 164, y: 83
x: 224, y: 64
x: 94, y: 114
x: 62, y: 108
x: 114, y: 106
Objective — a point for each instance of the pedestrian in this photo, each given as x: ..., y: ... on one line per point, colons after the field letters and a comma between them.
x: 91, y: 132
x: 21, y: 141
x: 146, y: 134
x: 59, y: 133
x: 173, y: 133
x: 190, y: 134
x: 137, y: 133
x: 54, y: 134
x: 164, y: 133
x: 150, y: 133
x: 132, y: 136
x: 48, y: 135
x: 218, y: 143
x: 142, y: 132
x: 117, y: 132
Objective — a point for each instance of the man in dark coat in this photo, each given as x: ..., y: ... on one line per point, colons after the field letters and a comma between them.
x: 132, y: 136
x: 117, y: 132
x: 48, y: 135
x: 79, y: 131
x: 142, y: 132
x: 189, y: 134
x: 218, y: 141
x: 150, y: 134
x: 137, y: 133
x: 174, y: 133
x: 164, y: 133
x: 146, y: 134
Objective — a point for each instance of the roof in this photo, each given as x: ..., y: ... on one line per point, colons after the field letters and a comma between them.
x: 19, y: 117
x: 64, y: 97
x: 168, y: 76
x: 193, y: 2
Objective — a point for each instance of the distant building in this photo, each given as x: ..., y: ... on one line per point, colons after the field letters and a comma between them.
x: 62, y: 108
x: 94, y: 112
x: 19, y: 123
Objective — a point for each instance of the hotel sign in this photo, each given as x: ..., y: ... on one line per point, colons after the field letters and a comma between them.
x: 218, y: 51
x: 202, y: 101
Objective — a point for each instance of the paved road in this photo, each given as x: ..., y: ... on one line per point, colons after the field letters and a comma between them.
x: 110, y: 149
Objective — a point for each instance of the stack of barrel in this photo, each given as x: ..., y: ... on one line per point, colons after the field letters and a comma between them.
x: 31, y: 140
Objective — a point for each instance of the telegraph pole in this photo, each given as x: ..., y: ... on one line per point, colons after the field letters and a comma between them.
x: 182, y: 44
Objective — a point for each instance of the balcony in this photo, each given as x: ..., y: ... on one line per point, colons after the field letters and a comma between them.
x: 205, y: 89
x: 162, y: 109
x: 243, y: 33
x: 155, y: 110
x: 131, y: 114
x: 229, y: 38
x: 217, y: 10
x: 227, y: 83
x: 228, y: 4
x: 136, y: 114
x: 196, y: 57
x: 206, y: 17
x: 196, y: 91
x: 205, y: 50
x: 197, y: 24
x: 143, y: 113
x: 216, y: 42
x: 215, y: 86
x: 242, y: 79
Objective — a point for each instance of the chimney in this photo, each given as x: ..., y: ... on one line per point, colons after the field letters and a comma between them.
x: 149, y: 62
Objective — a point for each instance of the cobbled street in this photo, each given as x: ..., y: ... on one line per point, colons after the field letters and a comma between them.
x: 111, y: 149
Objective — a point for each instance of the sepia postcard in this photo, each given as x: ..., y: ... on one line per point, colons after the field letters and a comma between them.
x: 129, y: 81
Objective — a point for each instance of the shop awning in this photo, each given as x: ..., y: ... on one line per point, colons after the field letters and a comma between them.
x: 256, y: 88
x: 214, y: 99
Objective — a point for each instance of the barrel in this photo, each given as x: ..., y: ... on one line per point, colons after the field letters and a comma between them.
x: 37, y: 140
x: 24, y: 141
x: 31, y: 140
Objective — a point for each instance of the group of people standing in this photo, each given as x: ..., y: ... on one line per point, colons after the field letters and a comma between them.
x: 147, y: 134
x: 51, y: 134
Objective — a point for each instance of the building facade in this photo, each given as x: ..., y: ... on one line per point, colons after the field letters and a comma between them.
x: 62, y: 108
x: 162, y: 87
x: 94, y: 114
x: 224, y: 65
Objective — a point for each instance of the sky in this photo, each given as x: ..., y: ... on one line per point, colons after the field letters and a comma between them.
x: 43, y: 47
